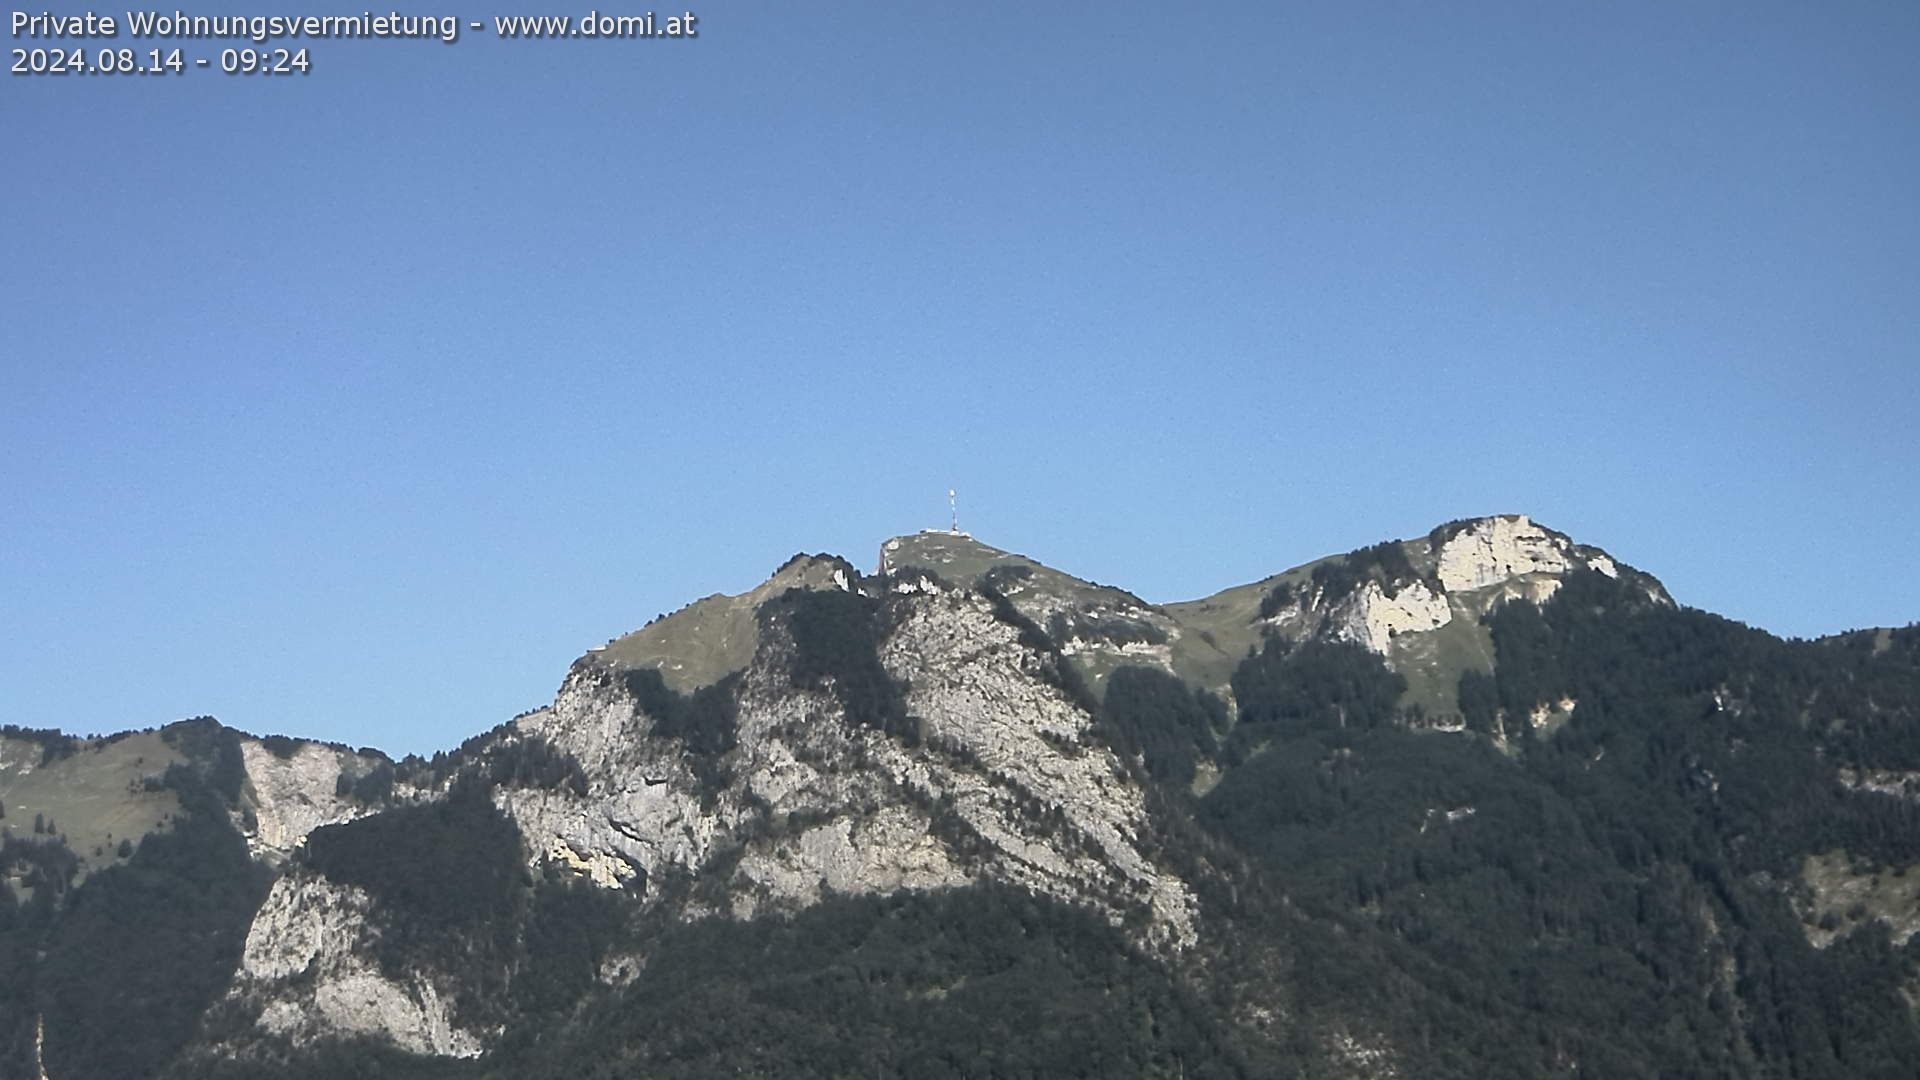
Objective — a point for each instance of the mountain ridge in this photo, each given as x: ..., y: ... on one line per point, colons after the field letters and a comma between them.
x: 1201, y: 640
x: 1340, y: 764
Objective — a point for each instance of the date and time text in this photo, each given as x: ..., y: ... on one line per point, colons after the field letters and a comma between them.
x: 163, y: 44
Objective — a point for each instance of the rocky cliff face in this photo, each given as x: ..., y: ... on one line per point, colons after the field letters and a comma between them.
x: 1463, y: 569
x: 1099, y: 626
x: 1001, y: 781
x: 309, y: 974
x: 294, y: 793
x: 1369, y: 616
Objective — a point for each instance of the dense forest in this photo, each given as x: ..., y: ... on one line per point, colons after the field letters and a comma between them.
x: 1612, y: 893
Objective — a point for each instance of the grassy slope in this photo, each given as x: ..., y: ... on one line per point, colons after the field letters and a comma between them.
x: 710, y: 639
x: 1221, y: 629
x: 963, y: 560
x: 95, y: 797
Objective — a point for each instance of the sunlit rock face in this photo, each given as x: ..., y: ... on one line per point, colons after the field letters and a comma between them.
x: 1465, y: 570
x: 1493, y: 550
x: 1371, y: 618
x: 1099, y: 626
x: 309, y: 974
x: 292, y: 796
x: 1003, y: 783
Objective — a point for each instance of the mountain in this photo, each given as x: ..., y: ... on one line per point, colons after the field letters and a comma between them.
x: 1483, y: 803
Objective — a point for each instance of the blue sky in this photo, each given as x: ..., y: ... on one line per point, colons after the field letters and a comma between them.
x: 358, y: 405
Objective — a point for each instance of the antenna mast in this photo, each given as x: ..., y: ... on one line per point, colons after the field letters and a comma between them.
x: 953, y: 504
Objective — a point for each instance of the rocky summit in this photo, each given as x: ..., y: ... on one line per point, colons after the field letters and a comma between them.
x: 1487, y: 802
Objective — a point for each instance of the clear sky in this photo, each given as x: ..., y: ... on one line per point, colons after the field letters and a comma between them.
x: 358, y: 405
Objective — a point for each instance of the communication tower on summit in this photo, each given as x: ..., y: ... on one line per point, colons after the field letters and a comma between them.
x: 953, y: 504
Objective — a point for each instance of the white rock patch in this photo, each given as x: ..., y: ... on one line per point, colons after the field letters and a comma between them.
x: 1492, y: 550
x: 294, y: 796
x: 308, y: 956
x: 1372, y: 618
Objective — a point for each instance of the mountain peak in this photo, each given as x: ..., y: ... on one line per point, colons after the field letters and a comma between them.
x: 1099, y: 626
x: 955, y: 556
x: 1418, y: 603
x: 1478, y: 553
